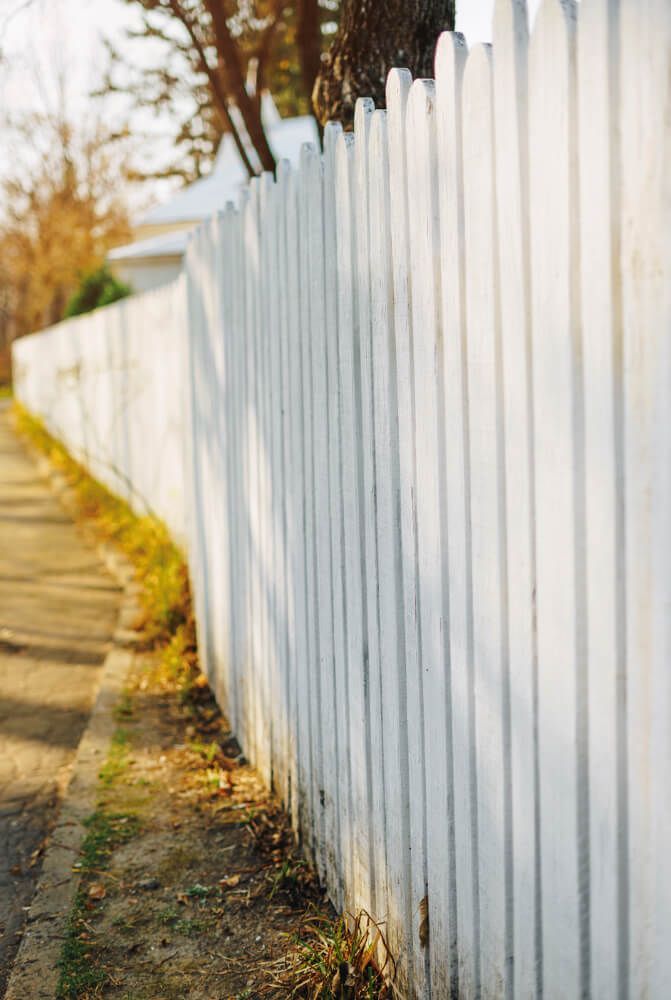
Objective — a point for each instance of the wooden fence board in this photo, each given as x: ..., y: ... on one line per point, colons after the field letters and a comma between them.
x: 424, y: 250
x: 510, y: 54
x: 488, y: 508
x: 352, y: 521
x: 558, y: 451
x: 645, y: 205
x: 398, y: 88
x: 602, y: 347
x: 450, y: 61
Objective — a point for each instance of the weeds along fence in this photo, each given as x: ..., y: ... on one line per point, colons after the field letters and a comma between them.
x: 409, y: 409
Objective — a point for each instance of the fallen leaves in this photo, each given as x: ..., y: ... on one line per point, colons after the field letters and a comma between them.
x: 229, y: 881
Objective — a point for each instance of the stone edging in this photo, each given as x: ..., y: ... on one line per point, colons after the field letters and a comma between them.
x: 35, y: 971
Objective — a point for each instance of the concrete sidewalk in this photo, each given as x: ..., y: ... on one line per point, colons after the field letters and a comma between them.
x: 58, y: 611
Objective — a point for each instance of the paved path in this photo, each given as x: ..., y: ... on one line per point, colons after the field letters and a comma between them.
x: 57, y: 614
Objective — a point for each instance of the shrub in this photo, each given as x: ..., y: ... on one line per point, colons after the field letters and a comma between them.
x: 97, y: 288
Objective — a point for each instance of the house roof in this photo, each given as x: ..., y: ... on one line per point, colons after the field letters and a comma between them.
x: 201, y: 199
x: 166, y: 245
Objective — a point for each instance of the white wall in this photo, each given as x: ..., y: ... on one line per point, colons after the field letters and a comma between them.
x: 144, y: 274
x: 111, y: 385
x: 427, y: 488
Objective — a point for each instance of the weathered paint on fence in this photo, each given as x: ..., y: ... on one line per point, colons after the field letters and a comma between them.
x: 408, y: 411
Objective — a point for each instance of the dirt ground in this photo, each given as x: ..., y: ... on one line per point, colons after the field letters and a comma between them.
x: 191, y: 879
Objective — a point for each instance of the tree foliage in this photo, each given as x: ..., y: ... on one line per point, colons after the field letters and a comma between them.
x: 97, y: 288
x: 61, y: 212
x: 211, y: 61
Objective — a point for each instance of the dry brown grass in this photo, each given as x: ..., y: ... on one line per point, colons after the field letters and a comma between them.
x: 332, y: 959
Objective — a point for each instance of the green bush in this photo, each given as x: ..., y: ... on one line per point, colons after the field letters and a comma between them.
x: 97, y: 288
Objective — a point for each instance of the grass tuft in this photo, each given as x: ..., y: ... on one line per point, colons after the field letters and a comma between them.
x: 117, y: 760
x: 333, y: 959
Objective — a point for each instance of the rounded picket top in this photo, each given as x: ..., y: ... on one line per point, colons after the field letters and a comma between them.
x: 477, y: 81
x: 378, y: 172
x: 331, y: 132
x: 254, y: 190
x: 344, y: 152
x: 308, y: 151
x: 421, y: 103
x: 345, y: 144
x: 554, y: 24
x: 399, y: 82
x: 377, y: 144
x: 283, y: 169
x: 451, y: 52
x: 510, y: 25
x: 314, y: 164
x: 476, y: 106
x: 363, y: 109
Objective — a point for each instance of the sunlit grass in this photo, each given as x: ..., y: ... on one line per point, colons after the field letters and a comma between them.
x: 159, y: 564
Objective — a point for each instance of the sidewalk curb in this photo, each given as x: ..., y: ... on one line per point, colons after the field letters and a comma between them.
x: 35, y: 971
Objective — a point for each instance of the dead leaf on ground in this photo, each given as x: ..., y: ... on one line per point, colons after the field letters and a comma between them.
x: 97, y: 891
x: 229, y: 882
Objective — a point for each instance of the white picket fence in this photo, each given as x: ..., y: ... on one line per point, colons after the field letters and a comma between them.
x: 409, y: 408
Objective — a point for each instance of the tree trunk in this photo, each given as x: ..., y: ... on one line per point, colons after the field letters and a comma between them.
x: 229, y: 63
x: 372, y: 38
x: 308, y: 39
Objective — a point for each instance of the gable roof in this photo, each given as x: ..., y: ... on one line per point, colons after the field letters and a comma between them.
x: 166, y: 245
x: 207, y: 195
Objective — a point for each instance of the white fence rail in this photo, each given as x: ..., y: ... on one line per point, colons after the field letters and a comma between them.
x: 417, y: 399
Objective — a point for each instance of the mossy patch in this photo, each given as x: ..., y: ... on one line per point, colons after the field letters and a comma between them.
x: 79, y: 972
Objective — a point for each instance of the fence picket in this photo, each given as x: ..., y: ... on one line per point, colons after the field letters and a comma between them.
x: 427, y: 334
x: 510, y: 51
x: 644, y: 46
x: 331, y: 133
x: 296, y: 498
x: 328, y: 790
x: 352, y: 523
x: 558, y: 431
x: 602, y: 345
x: 394, y: 778
x: 398, y: 88
x: 450, y: 61
x: 488, y: 542
x: 252, y: 448
x: 233, y: 297
x: 282, y: 420
x: 375, y: 757
x: 309, y: 153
